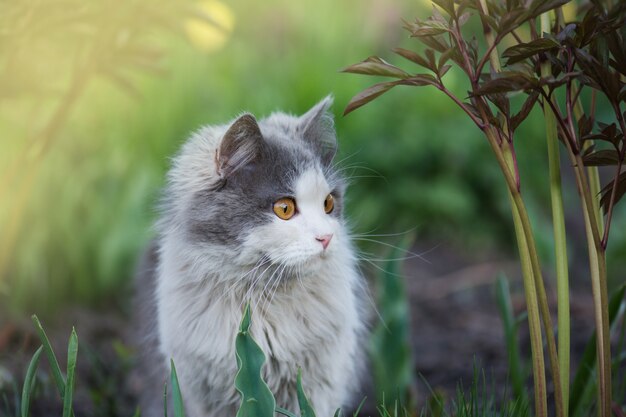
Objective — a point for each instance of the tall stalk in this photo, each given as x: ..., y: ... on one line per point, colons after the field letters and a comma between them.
x: 560, y: 239
x: 536, y: 299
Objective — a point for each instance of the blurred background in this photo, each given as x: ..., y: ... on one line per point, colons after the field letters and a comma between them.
x: 96, y: 96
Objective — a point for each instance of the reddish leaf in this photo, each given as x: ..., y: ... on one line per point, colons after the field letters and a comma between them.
x: 506, y: 82
x: 522, y: 51
x: 601, y: 158
x: 528, y: 105
x: 447, y: 5
x: 376, y: 66
x: 605, y: 200
x: 413, y: 57
x: 368, y: 95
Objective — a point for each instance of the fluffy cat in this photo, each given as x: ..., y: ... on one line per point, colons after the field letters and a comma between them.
x: 253, y: 212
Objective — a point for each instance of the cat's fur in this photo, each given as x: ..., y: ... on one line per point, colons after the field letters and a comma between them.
x: 220, y: 245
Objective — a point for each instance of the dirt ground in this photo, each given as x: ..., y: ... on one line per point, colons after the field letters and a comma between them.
x: 454, y: 323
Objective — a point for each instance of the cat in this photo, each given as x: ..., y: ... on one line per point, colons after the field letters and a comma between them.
x: 253, y: 211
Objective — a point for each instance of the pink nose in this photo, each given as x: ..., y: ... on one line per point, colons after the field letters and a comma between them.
x: 324, y: 240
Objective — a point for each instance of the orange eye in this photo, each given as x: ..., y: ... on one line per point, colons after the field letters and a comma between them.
x: 329, y: 204
x: 285, y: 208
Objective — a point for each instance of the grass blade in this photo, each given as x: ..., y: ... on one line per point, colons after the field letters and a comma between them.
x: 52, y: 359
x: 305, y: 407
x: 29, y: 382
x: 356, y: 412
x: 516, y: 373
x: 177, y: 397
x: 390, y: 349
x: 587, y: 363
x: 72, y: 353
x: 165, y: 399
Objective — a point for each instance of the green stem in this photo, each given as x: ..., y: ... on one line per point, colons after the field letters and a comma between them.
x: 597, y: 267
x: 592, y: 174
x: 560, y: 240
x: 532, y: 281
x: 535, y: 292
x: 534, y: 322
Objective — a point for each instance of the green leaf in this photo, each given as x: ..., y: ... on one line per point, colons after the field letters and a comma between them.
x: 72, y: 353
x: 29, y: 382
x: 522, y: 51
x: 390, y: 347
x: 603, y: 157
x: 376, y: 66
x: 52, y: 359
x: 256, y: 398
x: 516, y: 365
x: 305, y: 407
x: 177, y: 397
x: 368, y: 95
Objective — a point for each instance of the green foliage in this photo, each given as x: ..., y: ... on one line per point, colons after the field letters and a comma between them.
x: 390, y: 349
x: 510, y: 324
x: 65, y: 385
x: 72, y: 352
x: 588, y: 54
x: 305, y: 407
x: 29, y: 382
x: 256, y: 398
x: 176, y: 394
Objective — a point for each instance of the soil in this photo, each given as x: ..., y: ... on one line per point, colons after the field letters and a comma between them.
x: 454, y: 322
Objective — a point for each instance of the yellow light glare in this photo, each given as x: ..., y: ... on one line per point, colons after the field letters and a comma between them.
x: 206, y: 36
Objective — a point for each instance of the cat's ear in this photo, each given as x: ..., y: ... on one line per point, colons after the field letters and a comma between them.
x: 240, y: 145
x: 317, y: 127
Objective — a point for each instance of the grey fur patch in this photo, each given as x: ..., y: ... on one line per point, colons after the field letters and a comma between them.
x: 240, y: 145
x: 318, y: 130
x: 264, y: 172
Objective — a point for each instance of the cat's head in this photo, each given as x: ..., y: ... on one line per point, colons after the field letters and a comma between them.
x: 273, y: 194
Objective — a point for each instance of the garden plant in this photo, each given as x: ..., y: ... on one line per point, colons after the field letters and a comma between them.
x: 569, y: 69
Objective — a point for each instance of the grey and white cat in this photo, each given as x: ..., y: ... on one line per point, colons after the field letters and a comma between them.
x: 253, y: 213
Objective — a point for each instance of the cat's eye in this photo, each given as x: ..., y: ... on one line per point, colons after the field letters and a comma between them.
x: 329, y: 204
x: 285, y: 208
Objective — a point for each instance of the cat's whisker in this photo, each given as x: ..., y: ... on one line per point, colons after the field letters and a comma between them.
x: 264, y: 296
x: 364, y: 239
x: 261, y: 262
x: 248, y: 297
x: 370, y: 234
x: 345, y: 158
x: 275, y: 280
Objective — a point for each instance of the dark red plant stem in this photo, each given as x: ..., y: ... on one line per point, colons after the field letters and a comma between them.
x: 609, y: 214
x: 569, y: 104
x: 458, y: 38
x: 462, y: 105
x: 483, y: 61
x: 559, y: 119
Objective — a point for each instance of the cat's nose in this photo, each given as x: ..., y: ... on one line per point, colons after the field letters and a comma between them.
x: 324, y: 239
